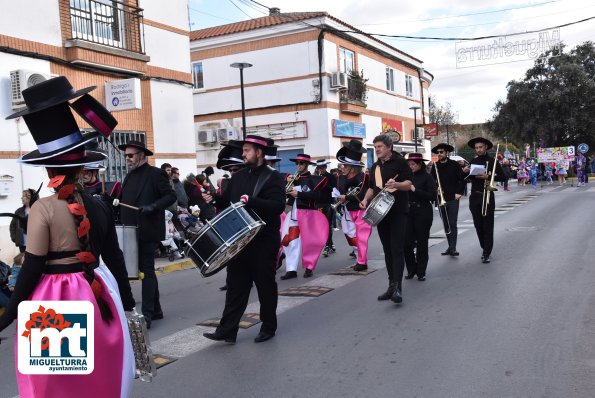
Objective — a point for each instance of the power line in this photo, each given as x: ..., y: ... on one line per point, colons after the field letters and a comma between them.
x: 211, y: 15
x: 238, y: 7
x: 262, y: 5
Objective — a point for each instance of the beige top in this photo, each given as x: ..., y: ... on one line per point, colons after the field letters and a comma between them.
x: 52, y: 228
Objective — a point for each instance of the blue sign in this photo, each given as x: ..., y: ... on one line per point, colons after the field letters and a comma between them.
x: 583, y: 148
x: 342, y: 128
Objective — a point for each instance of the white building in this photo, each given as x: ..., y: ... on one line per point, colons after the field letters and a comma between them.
x: 298, y: 90
x: 97, y: 42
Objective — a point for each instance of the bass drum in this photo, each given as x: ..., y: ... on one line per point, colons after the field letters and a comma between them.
x: 129, y: 244
x: 378, y: 208
x: 223, y: 238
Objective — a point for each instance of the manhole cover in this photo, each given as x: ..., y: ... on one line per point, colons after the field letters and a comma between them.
x: 350, y: 271
x: 305, y: 291
x: 162, y: 360
x: 522, y: 229
x: 248, y: 320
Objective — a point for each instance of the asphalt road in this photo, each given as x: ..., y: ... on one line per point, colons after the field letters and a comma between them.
x: 522, y: 326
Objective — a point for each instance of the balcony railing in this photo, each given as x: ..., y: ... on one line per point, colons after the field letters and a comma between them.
x: 108, y: 22
x: 356, y: 93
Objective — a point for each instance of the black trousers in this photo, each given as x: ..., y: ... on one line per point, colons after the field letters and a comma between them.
x: 150, y: 287
x: 484, y: 225
x: 256, y: 265
x: 329, y: 213
x: 419, y: 222
x: 392, y: 236
x: 450, y: 210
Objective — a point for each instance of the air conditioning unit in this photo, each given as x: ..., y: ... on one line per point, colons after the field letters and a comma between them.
x: 230, y: 133
x: 207, y: 137
x: 420, y: 133
x: 338, y: 81
x: 21, y: 79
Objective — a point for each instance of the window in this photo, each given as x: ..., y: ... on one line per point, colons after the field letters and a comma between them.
x: 197, y: 77
x: 390, y: 79
x: 346, y: 60
x: 408, y: 86
x: 115, y: 164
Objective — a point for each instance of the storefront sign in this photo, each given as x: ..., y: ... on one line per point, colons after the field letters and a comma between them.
x: 394, y: 128
x: 430, y: 130
x: 122, y: 95
x: 342, y: 128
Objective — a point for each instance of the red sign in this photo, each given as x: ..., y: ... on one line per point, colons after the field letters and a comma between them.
x: 393, y: 127
x: 430, y: 130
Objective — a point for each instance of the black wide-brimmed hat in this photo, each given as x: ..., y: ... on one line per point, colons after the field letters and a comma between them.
x: 446, y: 147
x: 481, y: 140
x: 230, y: 155
x: 271, y: 153
x: 226, y: 164
x: 416, y: 157
x: 137, y: 145
x: 351, y: 153
x: 302, y: 157
x: 256, y: 139
x: 322, y: 163
x: 76, y: 157
x: 47, y: 94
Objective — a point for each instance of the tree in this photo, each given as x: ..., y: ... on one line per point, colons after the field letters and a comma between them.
x: 442, y: 115
x: 554, y: 103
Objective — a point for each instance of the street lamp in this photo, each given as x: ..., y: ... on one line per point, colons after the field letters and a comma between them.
x: 241, y: 66
x: 415, y: 108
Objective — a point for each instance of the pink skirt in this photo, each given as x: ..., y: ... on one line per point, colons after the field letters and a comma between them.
x: 114, y: 361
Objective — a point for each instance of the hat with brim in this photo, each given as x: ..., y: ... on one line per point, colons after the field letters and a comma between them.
x: 226, y: 164
x: 479, y: 140
x: 257, y: 140
x: 231, y: 152
x: 94, y: 113
x: 351, y: 153
x: 271, y: 153
x: 76, y: 157
x: 446, y: 147
x: 416, y: 157
x: 322, y: 163
x: 47, y: 94
x: 94, y: 166
x: 302, y: 157
x: 137, y: 145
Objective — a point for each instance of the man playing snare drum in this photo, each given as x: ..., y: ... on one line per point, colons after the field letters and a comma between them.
x: 261, y: 189
x: 392, y: 172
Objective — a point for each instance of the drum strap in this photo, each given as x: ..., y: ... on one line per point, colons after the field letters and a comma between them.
x: 378, y: 177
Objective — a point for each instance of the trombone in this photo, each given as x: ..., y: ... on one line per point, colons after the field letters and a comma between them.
x: 488, y: 186
x: 353, y: 191
x: 442, y: 203
x: 291, y: 182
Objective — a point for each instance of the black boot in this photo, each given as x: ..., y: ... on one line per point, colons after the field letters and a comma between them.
x: 397, y: 297
x: 389, y: 292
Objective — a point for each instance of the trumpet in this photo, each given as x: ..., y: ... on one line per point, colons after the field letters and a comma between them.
x: 488, y: 186
x: 291, y: 182
x: 442, y: 203
x: 353, y: 191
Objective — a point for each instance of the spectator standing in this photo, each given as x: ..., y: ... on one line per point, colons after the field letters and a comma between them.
x: 18, y: 225
x: 181, y: 195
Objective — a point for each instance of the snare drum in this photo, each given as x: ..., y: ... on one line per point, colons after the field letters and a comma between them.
x: 378, y: 208
x: 223, y: 238
x: 129, y: 244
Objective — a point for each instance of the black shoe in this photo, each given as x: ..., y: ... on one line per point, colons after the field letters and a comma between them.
x: 308, y: 273
x: 148, y: 322
x: 410, y: 276
x: 352, y: 254
x: 421, y: 278
x: 447, y: 253
x: 289, y: 275
x: 223, y: 288
x: 333, y: 248
x: 157, y: 316
x: 219, y: 337
x: 454, y: 253
x: 397, y: 297
x: 485, y: 259
x: 325, y: 251
x: 263, y: 336
x: 389, y: 292
x: 360, y: 267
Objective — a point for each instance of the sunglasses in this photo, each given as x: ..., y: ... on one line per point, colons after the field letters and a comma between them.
x: 440, y: 151
x: 131, y: 155
x: 302, y: 162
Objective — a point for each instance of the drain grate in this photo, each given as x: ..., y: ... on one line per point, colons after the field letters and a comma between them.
x: 305, y: 291
x: 162, y: 360
x: 248, y: 320
x: 350, y: 271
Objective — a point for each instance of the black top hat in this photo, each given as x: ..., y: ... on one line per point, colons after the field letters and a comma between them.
x: 75, y: 157
x: 446, y: 147
x: 351, y: 153
x: 226, y: 164
x: 230, y: 155
x: 137, y: 145
x: 271, y: 153
x: 302, y: 157
x: 416, y: 157
x: 482, y: 140
x: 95, y: 114
x: 48, y: 94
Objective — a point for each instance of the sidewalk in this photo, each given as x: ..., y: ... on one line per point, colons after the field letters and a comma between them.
x: 164, y: 266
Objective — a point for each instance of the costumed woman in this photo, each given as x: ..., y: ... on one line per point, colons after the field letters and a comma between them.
x: 67, y: 233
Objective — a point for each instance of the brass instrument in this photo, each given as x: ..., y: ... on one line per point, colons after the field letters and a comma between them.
x: 488, y: 186
x: 353, y: 191
x: 442, y: 202
x: 291, y: 182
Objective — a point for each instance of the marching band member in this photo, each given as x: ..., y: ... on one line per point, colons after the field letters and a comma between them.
x: 321, y: 170
x: 452, y: 181
x: 272, y: 159
x: 419, y: 219
x: 484, y: 223
x: 356, y: 230
x: 305, y: 221
x: 392, y: 172
x: 261, y: 189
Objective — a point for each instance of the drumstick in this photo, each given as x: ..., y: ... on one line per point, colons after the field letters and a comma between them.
x: 117, y: 202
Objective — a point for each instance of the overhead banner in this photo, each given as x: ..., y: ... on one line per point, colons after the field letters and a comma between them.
x: 343, y: 128
x: 555, y: 154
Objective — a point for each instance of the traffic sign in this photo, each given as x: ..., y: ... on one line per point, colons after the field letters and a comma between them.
x: 583, y: 148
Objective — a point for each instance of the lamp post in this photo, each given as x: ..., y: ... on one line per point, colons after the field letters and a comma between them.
x: 241, y: 66
x: 415, y: 108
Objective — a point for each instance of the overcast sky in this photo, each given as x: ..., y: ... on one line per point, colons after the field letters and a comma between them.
x: 472, y: 91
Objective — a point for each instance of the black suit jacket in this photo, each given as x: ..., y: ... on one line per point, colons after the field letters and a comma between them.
x: 144, y: 186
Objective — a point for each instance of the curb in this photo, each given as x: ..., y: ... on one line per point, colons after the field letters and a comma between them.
x: 179, y: 266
